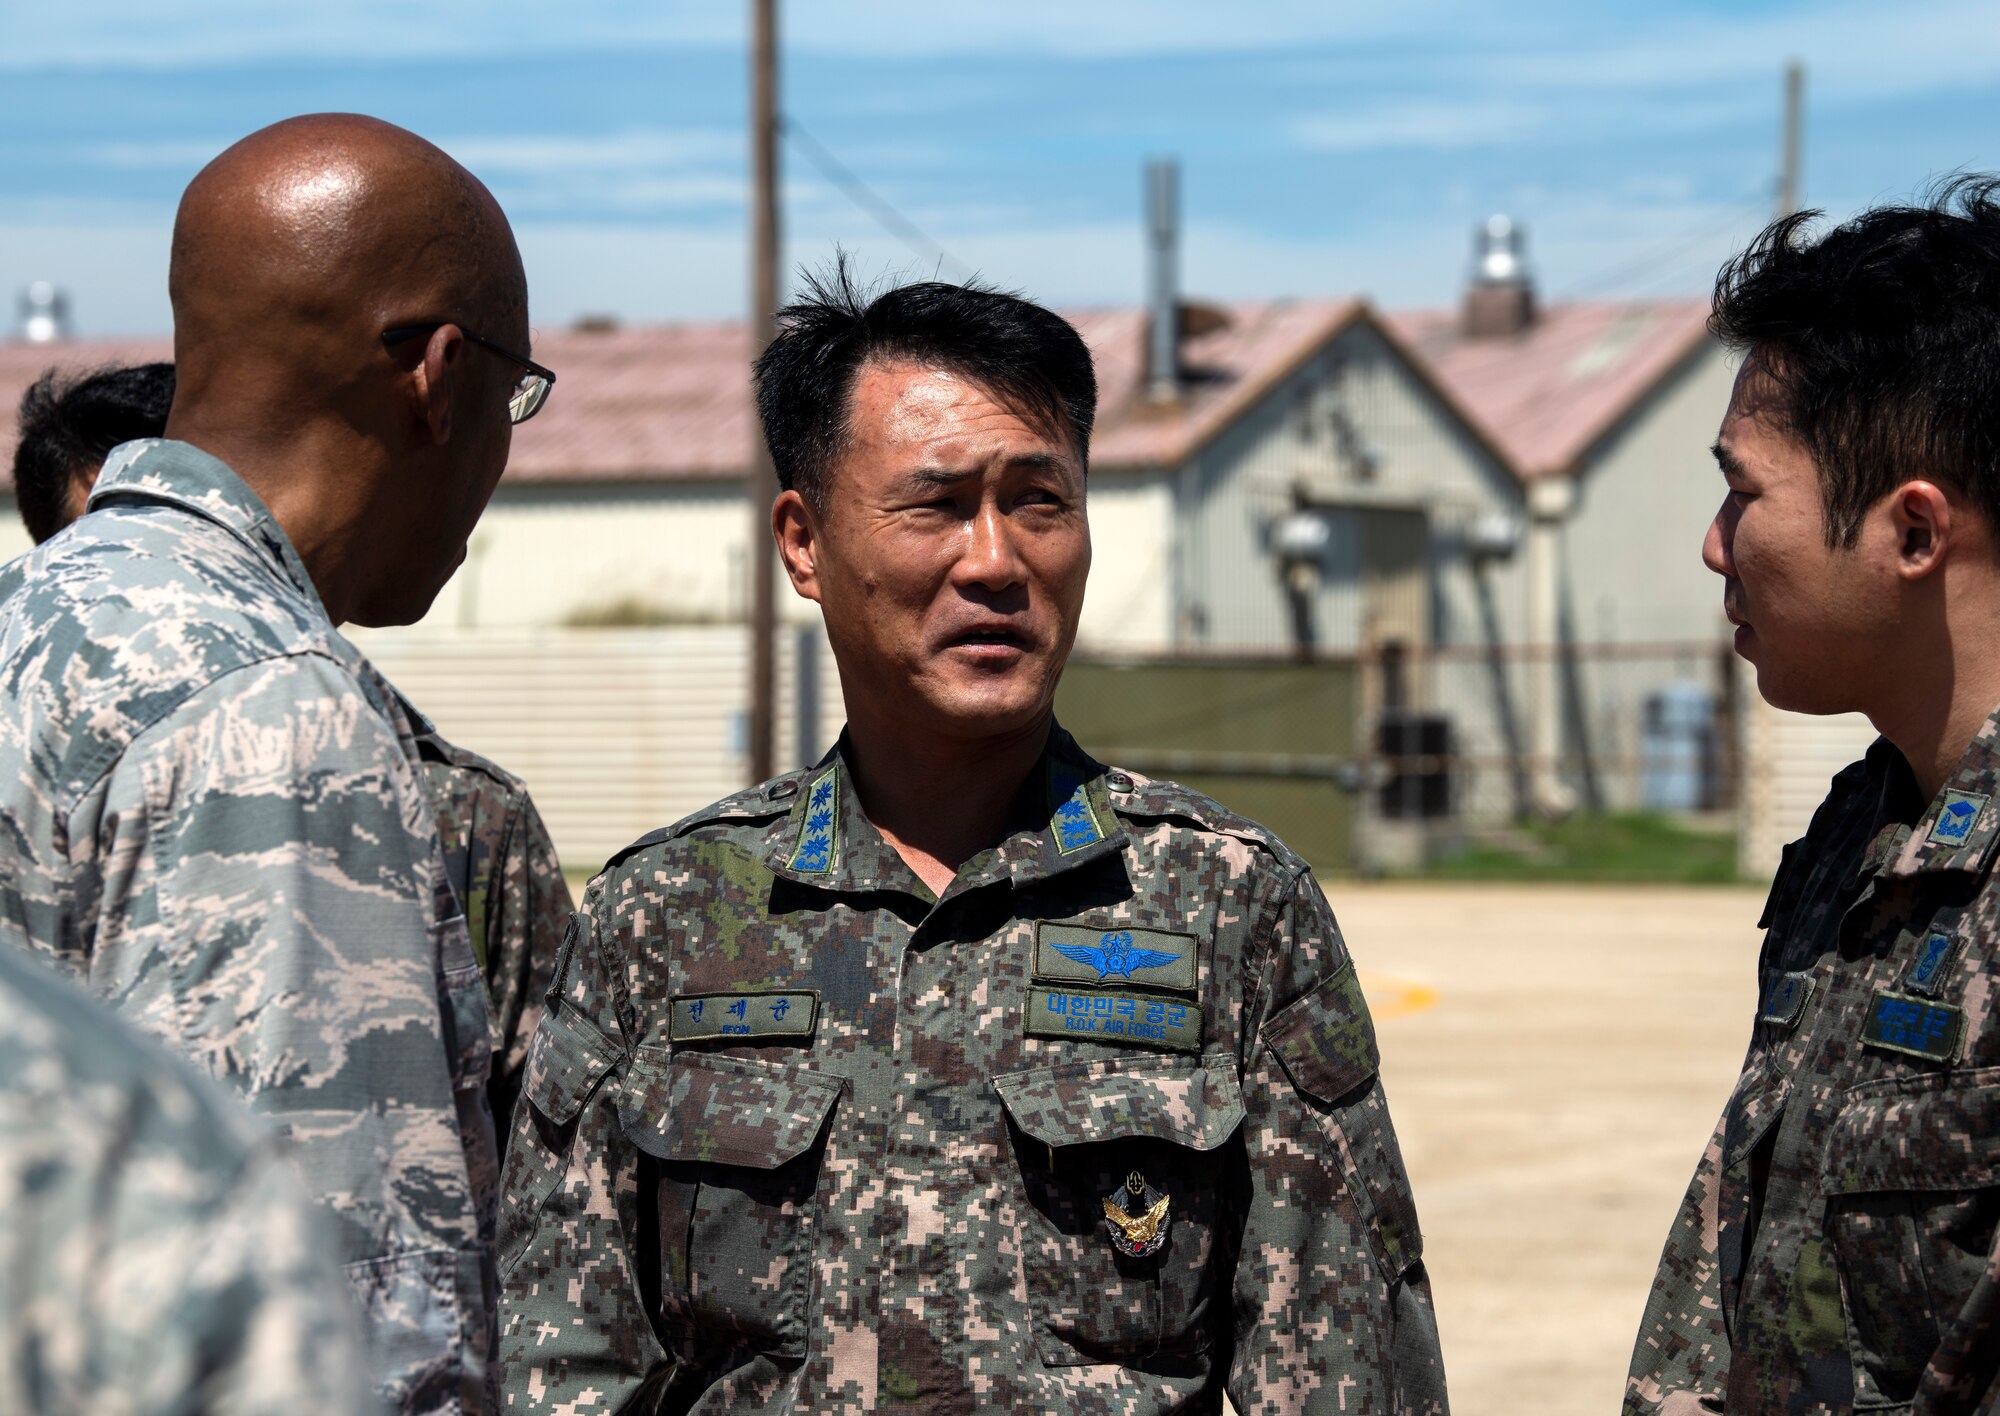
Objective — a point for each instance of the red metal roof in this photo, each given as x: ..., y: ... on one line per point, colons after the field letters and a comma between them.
x: 1544, y: 396
x: 672, y: 402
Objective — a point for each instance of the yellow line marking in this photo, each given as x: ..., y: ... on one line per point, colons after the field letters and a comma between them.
x: 1396, y: 997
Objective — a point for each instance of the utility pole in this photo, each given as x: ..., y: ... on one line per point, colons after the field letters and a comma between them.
x: 1788, y: 170
x: 762, y: 483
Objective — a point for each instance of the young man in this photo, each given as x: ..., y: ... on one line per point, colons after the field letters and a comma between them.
x: 1836, y: 1251
x: 959, y: 1073
x: 211, y: 809
x: 497, y: 854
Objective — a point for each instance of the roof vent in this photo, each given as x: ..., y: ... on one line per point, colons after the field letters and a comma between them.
x: 44, y: 314
x: 1501, y: 298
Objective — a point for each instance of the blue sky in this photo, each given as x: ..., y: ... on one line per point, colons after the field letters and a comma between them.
x: 1327, y: 147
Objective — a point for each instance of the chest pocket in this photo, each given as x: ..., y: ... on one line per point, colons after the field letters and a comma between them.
x: 737, y: 1147
x: 1078, y: 1131
x: 566, y: 1062
x: 1913, y: 1200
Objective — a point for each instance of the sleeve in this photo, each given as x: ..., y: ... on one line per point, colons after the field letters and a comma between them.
x: 525, y: 917
x: 269, y: 910
x: 1332, y: 1307
x: 576, y: 1330
x: 1680, y: 1363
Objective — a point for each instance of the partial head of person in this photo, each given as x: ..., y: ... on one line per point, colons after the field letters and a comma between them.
x: 351, y: 335
x: 69, y: 423
x: 1862, y: 453
x: 931, y: 442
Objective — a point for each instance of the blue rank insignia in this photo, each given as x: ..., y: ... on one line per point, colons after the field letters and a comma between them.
x: 1955, y: 817
x: 1786, y: 999
x: 1926, y: 974
x: 1136, y: 1216
x: 1075, y: 823
x: 819, y: 825
x: 1918, y: 1027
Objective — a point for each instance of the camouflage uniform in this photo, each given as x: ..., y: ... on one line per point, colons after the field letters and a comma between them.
x: 157, y: 1257
x: 210, y: 811
x: 1836, y: 1249
x: 799, y: 1136
x: 504, y: 873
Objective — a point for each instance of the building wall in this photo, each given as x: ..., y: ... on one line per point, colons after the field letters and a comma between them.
x: 1419, y: 457
x: 1633, y: 574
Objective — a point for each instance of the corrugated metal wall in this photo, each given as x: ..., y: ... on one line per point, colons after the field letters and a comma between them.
x: 1788, y: 761
x: 615, y: 731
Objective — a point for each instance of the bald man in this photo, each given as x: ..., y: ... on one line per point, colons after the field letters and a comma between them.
x: 211, y: 806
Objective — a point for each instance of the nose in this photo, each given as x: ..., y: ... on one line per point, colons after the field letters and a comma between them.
x: 991, y: 560
x: 1718, y: 546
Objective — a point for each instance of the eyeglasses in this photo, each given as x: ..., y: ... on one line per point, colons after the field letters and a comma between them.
x: 529, y: 394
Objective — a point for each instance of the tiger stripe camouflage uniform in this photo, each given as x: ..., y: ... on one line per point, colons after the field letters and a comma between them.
x: 210, y: 811
x: 1836, y: 1250
x: 157, y: 1256
x: 799, y: 1136
x: 503, y: 870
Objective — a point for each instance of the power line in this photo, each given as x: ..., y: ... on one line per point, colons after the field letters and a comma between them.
x: 1672, y: 251
x: 865, y: 197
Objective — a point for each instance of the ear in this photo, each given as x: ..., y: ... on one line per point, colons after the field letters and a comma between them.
x: 797, y: 532
x: 436, y: 377
x: 1923, y: 518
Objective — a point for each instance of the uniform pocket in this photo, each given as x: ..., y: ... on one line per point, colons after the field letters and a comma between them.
x: 1078, y: 1132
x: 1326, y: 1044
x: 409, y: 1308
x: 566, y: 1062
x: 736, y: 1146
x: 1912, y: 1182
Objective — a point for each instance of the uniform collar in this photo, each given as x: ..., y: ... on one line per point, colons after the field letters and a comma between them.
x: 827, y: 840
x: 1960, y: 827
x: 179, y: 474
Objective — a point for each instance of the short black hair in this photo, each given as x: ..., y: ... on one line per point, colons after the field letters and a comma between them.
x: 1025, y: 356
x: 1883, y: 338
x: 70, y: 422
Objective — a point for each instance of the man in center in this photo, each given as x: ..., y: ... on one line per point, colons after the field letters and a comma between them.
x: 959, y: 1072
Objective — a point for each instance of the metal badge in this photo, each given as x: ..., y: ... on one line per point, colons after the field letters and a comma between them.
x: 1136, y: 1215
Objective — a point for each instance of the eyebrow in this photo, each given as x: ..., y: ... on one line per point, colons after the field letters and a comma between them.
x: 939, y: 478
x: 1729, y: 462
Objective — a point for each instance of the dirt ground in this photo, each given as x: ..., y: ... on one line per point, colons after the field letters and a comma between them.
x: 1555, y: 1057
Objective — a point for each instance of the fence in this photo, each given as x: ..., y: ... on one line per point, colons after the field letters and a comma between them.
x: 1357, y: 761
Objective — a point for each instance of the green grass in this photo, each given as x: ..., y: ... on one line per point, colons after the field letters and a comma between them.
x: 1630, y: 848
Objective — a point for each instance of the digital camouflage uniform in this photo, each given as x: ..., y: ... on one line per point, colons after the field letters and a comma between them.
x: 210, y: 811
x: 799, y: 1136
x: 1836, y: 1249
x: 503, y: 871
x: 157, y: 1256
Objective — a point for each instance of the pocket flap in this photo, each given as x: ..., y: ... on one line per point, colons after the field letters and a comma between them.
x: 1198, y: 1104
x: 565, y: 1060
x: 1938, y: 1132
x: 727, y: 1110
x: 1325, y: 1039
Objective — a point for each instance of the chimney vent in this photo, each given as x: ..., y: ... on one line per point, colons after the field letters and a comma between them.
x: 1501, y: 298
x: 1163, y: 373
x: 44, y: 314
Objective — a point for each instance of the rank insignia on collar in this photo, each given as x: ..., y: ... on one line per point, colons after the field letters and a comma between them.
x: 1955, y: 817
x: 819, y: 825
x: 1786, y: 999
x: 1136, y: 1215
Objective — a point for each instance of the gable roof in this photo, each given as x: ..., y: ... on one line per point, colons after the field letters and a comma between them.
x: 652, y: 403
x: 1548, y: 394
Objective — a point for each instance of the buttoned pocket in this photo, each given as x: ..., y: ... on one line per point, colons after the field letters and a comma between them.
x: 1326, y: 1044
x: 1080, y: 1132
x: 567, y: 1061
x: 1912, y: 1181
x: 735, y: 1148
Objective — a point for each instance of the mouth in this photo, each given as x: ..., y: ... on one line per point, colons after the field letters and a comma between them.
x: 990, y: 640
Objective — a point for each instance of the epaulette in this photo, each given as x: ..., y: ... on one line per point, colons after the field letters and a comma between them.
x: 1151, y: 799
x: 759, y: 803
